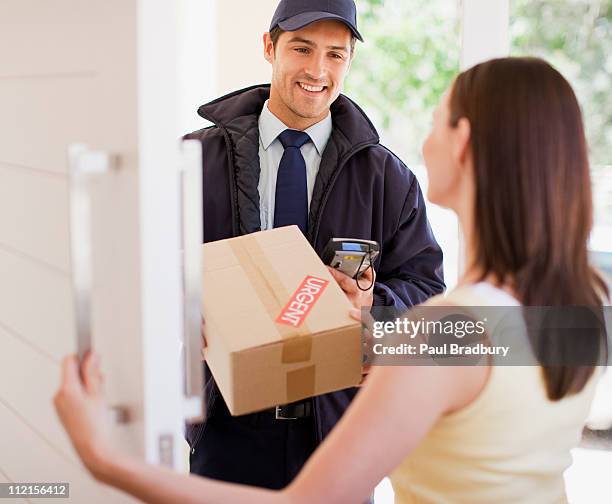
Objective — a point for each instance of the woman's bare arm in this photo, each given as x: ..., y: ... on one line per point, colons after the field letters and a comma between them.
x: 394, y: 410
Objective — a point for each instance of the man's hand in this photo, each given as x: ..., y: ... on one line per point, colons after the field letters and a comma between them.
x: 367, y: 332
x: 82, y: 409
x: 358, y: 298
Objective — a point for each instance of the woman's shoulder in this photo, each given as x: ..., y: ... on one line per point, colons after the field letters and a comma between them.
x: 475, y: 294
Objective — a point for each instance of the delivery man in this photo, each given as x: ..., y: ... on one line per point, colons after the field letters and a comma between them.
x: 298, y: 152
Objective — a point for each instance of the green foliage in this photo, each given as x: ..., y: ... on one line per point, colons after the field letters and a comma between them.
x: 576, y: 37
x: 409, y: 58
x: 412, y: 53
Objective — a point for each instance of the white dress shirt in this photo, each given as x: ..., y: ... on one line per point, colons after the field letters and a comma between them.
x: 271, y: 151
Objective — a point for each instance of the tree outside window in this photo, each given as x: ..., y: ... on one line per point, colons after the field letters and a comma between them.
x: 411, y: 56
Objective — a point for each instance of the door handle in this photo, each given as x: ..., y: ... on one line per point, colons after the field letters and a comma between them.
x: 192, y: 237
x: 84, y: 165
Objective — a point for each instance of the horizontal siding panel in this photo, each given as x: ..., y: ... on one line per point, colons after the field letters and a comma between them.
x: 4, y: 479
x: 47, y: 465
x: 64, y: 25
x: 36, y: 303
x: 34, y: 215
x: 54, y: 91
x: 28, y: 390
x: 78, y: 36
x: 68, y: 74
x: 42, y: 116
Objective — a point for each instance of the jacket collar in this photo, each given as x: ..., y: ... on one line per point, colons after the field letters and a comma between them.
x: 347, y: 116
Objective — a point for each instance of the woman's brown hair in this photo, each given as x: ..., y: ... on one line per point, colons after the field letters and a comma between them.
x: 533, y: 208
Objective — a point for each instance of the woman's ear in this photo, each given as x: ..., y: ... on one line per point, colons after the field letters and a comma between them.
x: 461, y: 140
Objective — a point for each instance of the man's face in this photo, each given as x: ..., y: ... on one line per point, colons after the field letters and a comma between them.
x: 308, y: 69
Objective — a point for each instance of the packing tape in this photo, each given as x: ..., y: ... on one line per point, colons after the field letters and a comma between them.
x: 298, y: 349
x: 301, y: 383
x: 296, y: 343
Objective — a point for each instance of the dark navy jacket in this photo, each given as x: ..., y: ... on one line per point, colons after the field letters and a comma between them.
x: 362, y: 191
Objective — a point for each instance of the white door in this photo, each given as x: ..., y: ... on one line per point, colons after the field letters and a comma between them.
x: 100, y: 73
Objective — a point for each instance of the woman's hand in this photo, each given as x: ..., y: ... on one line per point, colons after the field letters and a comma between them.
x: 82, y: 409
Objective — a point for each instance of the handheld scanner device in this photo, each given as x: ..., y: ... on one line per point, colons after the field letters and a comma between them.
x: 351, y: 256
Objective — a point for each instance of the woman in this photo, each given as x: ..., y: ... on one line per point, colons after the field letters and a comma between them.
x: 507, y: 153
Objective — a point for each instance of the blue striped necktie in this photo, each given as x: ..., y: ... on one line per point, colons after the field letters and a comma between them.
x: 291, y: 204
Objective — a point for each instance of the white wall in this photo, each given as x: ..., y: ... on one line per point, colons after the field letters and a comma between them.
x: 484, y: 31
x: 197, y: 61
x: 240, y: 28
x: 220, y: 51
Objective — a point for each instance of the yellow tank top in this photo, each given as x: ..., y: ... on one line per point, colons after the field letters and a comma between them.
x: 510, y: 445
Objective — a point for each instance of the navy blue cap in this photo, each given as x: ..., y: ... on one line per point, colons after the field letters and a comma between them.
x: 292, y: 15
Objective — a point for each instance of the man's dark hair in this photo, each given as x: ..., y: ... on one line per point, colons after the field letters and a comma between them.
x: 277, y: 31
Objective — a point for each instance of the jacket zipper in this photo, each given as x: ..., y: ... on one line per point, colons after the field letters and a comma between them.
x: 232, y: 178
x: 200, y: 431
x: 197, y: 437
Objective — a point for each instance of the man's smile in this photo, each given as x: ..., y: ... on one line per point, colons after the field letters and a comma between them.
x: 312, y: 90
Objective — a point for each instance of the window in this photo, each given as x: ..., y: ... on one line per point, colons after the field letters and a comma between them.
x: 410, y: 56
x: 576, y: 37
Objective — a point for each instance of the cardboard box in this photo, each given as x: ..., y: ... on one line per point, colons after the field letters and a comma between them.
x: 277, y: 324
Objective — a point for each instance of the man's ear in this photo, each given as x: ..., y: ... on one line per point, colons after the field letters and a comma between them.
x: 461, y: 142
x: 268, y: 48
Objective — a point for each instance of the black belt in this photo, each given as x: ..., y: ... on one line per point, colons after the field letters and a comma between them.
x: 294, y: 411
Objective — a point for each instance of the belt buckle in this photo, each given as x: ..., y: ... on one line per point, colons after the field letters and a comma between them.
x: 278, y: 414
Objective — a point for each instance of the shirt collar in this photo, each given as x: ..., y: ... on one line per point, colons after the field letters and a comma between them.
x: 271, y: 126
